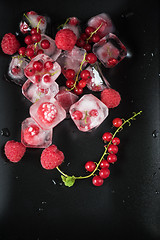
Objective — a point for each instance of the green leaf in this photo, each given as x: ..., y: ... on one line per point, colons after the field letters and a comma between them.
x: 68, y: 181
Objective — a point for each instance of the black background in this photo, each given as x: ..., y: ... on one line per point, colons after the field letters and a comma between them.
x: 32, y: 206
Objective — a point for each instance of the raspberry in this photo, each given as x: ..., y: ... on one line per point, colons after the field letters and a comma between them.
x: 14, y: 151
x: 110, y: 97
x: 51, y: 157
x: 10, y: 44
x: 65, y: 39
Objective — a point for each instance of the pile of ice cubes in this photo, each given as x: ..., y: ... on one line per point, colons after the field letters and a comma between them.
x: 52, y: 103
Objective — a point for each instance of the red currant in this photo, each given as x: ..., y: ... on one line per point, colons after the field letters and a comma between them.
x: 112, y: 62
x: 28, y: 40
x: 93, y: 113
x: 107, y: 136
x: 73, y: 21
x: 90, y: 166
x: 97, y: 181
x: 47, y: 78
x: 104, y: 164
x: 48, y: 65
x: 22, y: 51
x: 40, y: 51
x: 77, y: 115
x: 111, y: 158
x: 70, y: 83
x: 89, y: 30
x: 104, y: 173
x: 78, y: 90
x: 15, y: 70
x: 70, y: 74
x: 80, y: 42
x: 82, y: 83
x: 35, y: 30
x: 113, y: 149
x: 83, y: 36
x: 29, y: 52
x: 38, y: 66
x: 30, y: 72
x: 37, y: 79
x: 95, y: 38
x: 117, y: 122
x: 85, y: 74
x: 45, y: 44
x: 87, y: 47
x: 36, y: 37
x: 91, y: 58
x: 116, y: 141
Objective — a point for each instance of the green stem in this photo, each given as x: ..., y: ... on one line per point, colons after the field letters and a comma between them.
x: 92, y: 33
x: 62, y: 25
x: 106, y: 148
x: 27, y: 18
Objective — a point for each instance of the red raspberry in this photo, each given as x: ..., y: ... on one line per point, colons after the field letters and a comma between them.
x: 10, y: 44
x: 65, y: 39
x: 14, y: 151
x: 51, y: 157
x: 110, y: 98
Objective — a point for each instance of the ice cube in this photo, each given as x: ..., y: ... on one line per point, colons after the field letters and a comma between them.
x: 47, y: 112
x: 66, y: 98
x: 34, y: 93
x: 97, y: 82
x: 88, y: 113
x: 110, y: 50
x: 46, y: 74
x: 104, y: 19
x: 71, y: 59
x: 16, y: 69
x: 33, y: 136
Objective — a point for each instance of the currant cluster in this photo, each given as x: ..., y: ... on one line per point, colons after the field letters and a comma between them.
x: 104, y: 164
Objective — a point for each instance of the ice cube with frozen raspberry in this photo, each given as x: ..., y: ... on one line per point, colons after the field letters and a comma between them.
x: 42, y: 71
x: 110, y: 50
x: 33, y: 136
x: 47, y: 112
x: 88, y: 113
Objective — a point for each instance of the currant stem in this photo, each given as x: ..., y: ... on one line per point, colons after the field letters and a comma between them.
x: 106, y: 148
x: 94, y: 32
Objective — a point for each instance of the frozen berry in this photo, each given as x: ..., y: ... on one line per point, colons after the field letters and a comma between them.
x: 110, y: 97
x: 65, y: 39
x: 77, y: 115
x: 85, y: 74
x: 14, y: 151
x: 78, y: 90
x: 48, y: 65
x: 45, y: 44
x: 91, y: 58
x: 47, y: 112
x: 82, y: 83
x: 10, y: 44
x: 89, y: 30
x: 70, y: 73
x: 70, y: 83
x: 22, y: 51
x: 38, y: 66
x: 51, y: 157
x: 80, y: 42
x: 36, y: 37
x: 35, y: 30
x: 29, y: 52
x: 93, y: 113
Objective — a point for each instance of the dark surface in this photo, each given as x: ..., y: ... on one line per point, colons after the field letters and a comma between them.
x: 128, y: 204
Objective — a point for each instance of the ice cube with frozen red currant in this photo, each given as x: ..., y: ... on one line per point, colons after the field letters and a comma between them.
x: 47, y: 112
x: 34, y: 93
x: 88, y: 113
x: 110, y: 50
x: 42, y: 71
x: 33, y: 136
x: 74, y: 25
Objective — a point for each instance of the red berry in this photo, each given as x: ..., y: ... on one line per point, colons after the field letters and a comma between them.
x: 83, y: 36
x: 70, y: 74
x: 35, y: 30
x: 37, y: 79
x: 104, y: 164
x: 89, y: 30
x: 70, y: 83
x: 48, y: 65
x: 111, y: 158
x: 80, y: 42
x: 112, y: 62
x: 14, y: 151
x: 28, y: 40
x: 32, y: 130
x: 22, y: 51
x: 110, y: 97
x: 95, y: 38
x: 31, y: 13
x: 113, y: 149
x: 29, y: 72
x: 91, y: 58
x: 116, y: 141
x: 90, y: 166
x: 117, y: 122
x: 82, y: 83
x: 85, y: 74
x: 51, y: 157
x: 10, y: 44
x: 38, y: 66
x: 15, y: 70
x: 107, y: 136
x: 47, y: 78
x: 36, y: 37
x: 97, y: 181
x: 104, y: 173
x: 93, y: 113
x: 65, y: 39
x: 45, y: 44
x: 40, y: 51
x: 87, y: 47
x: 29, y: 52
x: 73, y: 21
x: 78, y: 90
x: 47, y: 112
x: 77, y: 115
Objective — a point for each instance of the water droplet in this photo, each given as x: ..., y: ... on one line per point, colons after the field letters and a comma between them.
x: 154, y: 174
x: 44, y: 202
x: 155, y: 133
x: 157, y: 192
x: 40, y: 209
x: 68, y: 164
x: 5, y: 132
x: 54, y: 182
